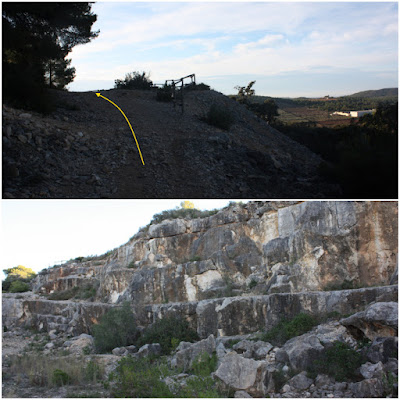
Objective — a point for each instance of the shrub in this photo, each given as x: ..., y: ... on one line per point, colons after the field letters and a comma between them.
x: 181, y: 213
x: 141, y: 378
x: 134, y: 80
x: 199, y: 386
x: 93, y: 372
x: 220, y: 117
x: 166, y: 329
x: 285, y: 329
x: 60, y: 378
x: 252, y: 284
x: 64, y: 294
x: 339, y: 361
x: 340, y: 286
x: 117, y: 328
x: 18, y: 286
x: 204, y: 364
x: 21, y: 276
x: 164, y: 93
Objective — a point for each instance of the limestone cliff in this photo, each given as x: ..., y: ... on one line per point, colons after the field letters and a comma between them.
x: 256, y: 248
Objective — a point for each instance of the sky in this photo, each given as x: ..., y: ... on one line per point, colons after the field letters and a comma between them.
x: 41, y: 233
x: 291, y: 49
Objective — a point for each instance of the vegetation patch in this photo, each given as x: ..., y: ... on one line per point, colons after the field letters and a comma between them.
x: 339, y: 361
x: 168, y: 332
x: 204, y: 364
x: 134, y: 80
x: 287, y: 329
x: 220, y: 117
x: 17, y: 279
x: 44, y: 371
x: 189, y: 213
x: 84, y: 291
x: 117, y: 328
x: 141, y: 378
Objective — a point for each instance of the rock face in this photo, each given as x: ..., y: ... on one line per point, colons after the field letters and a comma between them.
x: 378, y: 320
x: 261, y: 247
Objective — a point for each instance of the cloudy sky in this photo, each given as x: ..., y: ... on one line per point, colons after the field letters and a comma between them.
x: 40, y: 233
x: 289, y: 48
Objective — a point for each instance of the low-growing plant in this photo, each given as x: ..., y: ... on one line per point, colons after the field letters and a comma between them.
x: 220, y: 117
x: 195, y: 258
x: 286, y: 329
x: 141, y: 378
x: 64, y: 294
x: 18, y: 287
x: 93, y: 372
x: 190, y: 213
x: 60, y: 378
x: 204, y: 364
x: 117, y: 328
x: 339, y: 361
x: 345, y: 285
x: 164, y: 330
x: 253, y: 283
x: 199, y: 386
x: 164, y: 93
x: 230, y: 343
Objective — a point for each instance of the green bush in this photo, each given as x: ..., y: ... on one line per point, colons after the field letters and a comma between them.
x: 199, y: 386
x: 339, y: 361
x: 60, y: 378
x: 64, y: 294
x: 287, y: 329
x: 204, y: 364
x: 164, y: 93
x: 93, y: 372
x: 166, y: 329
x: 190, y: 213
x: 21, y: 276
x: 220, y: 117
x: 141, y: 378
x: 117, y: 328
x: 252, y: 284
x: 340, y: 286
x: 18, y: 286
x: 134, y: 80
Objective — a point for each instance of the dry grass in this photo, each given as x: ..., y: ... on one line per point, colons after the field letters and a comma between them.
x: 40, y: 369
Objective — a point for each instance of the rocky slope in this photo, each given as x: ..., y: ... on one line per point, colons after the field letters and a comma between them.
x: 232, y: 276
x: 84, y: 149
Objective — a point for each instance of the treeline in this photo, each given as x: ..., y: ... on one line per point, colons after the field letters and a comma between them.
x: 37, y: 37
x: 341, y: 104
x: 361, y: 157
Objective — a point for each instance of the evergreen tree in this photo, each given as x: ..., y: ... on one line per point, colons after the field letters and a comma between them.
x: 37, y: 37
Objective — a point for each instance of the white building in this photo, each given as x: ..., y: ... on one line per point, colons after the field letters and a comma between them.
x: 356, y: 114
x: 353, y: 114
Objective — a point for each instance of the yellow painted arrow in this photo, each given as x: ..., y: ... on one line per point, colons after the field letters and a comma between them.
x: 127, y: 120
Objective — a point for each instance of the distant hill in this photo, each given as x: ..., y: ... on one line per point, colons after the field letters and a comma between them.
x: 389, y: 92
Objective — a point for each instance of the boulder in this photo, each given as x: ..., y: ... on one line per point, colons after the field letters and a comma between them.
x: 303, y: 350
x: 77, y: 345
x: 378, y: 320
x: 148, y: 350
x: 245, y: 348
x: 188, y: 352
x: 369, y: 370
x: 300, y: 381
x: 392, y: 366
x: 367, y: 388
x: 323, y: 380
x: 239, y: 373
x: 382, y: 349
x: 119, y: 351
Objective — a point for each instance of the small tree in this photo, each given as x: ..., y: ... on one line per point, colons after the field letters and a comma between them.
x: 187, y: 204
x: 244, y: 92
x: 117, y: 328
x: 17, y: 279
x: 134, y: 80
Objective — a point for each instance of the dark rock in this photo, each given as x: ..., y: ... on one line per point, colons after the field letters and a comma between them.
x: 367, y: 388
x: 382, y: 349
x: 300, y: 381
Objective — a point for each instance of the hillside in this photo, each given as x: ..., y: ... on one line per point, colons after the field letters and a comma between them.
x: 233, y: 280
x: 389, y: 92
x: 84, y: 149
